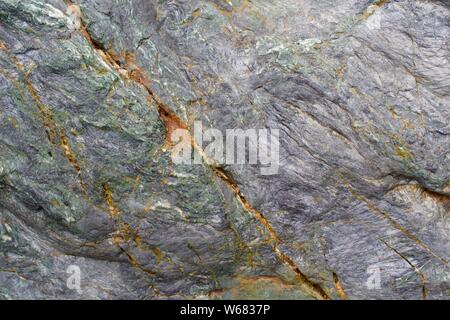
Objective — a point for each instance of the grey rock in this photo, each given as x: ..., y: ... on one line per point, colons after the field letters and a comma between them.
x: 90, y: 92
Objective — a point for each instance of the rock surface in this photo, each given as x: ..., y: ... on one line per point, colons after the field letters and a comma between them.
x: 90, y: 91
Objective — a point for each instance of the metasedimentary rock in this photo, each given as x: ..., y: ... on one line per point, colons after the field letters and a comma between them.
x: 92, y: 90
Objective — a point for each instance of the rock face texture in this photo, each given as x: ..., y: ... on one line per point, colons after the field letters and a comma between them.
x: 91, y: 90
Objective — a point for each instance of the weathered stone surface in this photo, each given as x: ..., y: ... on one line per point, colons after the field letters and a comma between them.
x: 90, y: 91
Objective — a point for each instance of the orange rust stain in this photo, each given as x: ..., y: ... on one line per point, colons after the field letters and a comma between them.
x: 171, y: 123
x: 70, y: 155
x: 3, y: 47
x: 255, y: 284
x: 258, y: 215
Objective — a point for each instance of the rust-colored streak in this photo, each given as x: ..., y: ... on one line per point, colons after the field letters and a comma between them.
x: 14, y: 271
x: 47, y: 119
x: 422, y: 277
x: 314, y: 289
x: 383, y: 214
x: 54, y: 134
x: 68, y: 152
x: 3, y: 47
x: 135, y: 264
x: 442, y: 198
x: 339, y: 288
x: 124, y: 231
x: 248, y: 207
x: 436, y: 196
x: 131, y: 72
